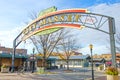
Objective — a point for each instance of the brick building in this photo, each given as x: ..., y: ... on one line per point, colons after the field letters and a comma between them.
x: 107, y: 57
x: 6, y: 56
x: 10, y: 50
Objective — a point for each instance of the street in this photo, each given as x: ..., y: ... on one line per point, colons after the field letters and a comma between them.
x: 77, y: 74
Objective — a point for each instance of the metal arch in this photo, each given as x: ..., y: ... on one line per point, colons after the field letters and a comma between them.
x: 95, y: 26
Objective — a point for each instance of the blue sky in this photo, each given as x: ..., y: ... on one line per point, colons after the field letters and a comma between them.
x: 14, y: 14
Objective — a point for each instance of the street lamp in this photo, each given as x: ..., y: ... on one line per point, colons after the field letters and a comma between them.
x: 91, y: 48
x: 33, y: 61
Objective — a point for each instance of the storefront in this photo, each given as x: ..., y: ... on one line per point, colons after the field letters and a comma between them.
x: 6, y: 59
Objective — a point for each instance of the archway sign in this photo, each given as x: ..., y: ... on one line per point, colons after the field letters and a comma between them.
x: 51, y: 20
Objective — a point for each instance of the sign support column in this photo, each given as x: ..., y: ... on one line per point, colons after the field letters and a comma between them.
x: 13, y: 56
x: 112, y: 40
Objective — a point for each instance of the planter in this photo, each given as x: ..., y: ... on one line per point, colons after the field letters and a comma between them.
x: 40, y: 70
x: 4, y: 70
x: 100, y: 69
x: 112, y: 77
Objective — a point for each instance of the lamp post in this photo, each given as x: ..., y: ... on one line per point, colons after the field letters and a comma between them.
x: 33, y: 61
x: 91, y: 48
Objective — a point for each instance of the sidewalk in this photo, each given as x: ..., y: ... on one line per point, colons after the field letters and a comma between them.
x: 101, y: 78
x: 15, y: 76
x: 30, y: 76
x: 60, y: 75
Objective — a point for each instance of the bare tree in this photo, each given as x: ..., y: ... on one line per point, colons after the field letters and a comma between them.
x: 117, y: 42
x: 45, y: 44
x: 117, y: 39
x: 67, y: 46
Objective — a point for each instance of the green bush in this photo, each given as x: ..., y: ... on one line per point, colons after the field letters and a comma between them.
x: 111, y: 71
x: 4, y: 66
x: 101, y: 67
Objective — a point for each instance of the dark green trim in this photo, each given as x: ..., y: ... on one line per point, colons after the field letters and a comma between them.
x: 6, y: 55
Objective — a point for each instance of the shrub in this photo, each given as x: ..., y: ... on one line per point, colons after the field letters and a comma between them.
x: 101, y: 67
x: 111, y: 71
x: 4, y: 66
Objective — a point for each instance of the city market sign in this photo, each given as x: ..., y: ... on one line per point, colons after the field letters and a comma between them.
x: 54, y: 21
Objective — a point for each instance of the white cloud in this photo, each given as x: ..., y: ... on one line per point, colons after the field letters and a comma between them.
x: 109, y: 10
x: 99, y: 39
x: 7, y: 37
x: 96, y: 50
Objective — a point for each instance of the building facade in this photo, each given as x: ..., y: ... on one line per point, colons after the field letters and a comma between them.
x: 107, y: 58
x: 6, y: 57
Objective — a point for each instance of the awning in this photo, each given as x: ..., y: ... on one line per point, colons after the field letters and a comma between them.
x: 6, y: 55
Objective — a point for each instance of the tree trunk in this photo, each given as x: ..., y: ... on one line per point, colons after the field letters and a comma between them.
x: 67, y: 64
x: 44, y: 63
